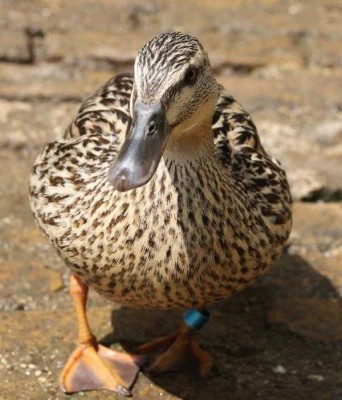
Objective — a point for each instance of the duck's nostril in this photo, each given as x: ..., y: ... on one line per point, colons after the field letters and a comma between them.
x: 152, y: 128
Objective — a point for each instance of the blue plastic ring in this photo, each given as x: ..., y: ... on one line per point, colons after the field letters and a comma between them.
x: 195, y: 319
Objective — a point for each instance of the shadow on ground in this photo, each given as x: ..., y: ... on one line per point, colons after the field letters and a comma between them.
x: 279, y: 339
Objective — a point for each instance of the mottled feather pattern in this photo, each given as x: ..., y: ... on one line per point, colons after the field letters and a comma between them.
x: 199, y: 231
x: 167, y: 53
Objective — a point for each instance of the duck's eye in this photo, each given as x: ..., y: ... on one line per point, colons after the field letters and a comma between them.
x: 190, y: 75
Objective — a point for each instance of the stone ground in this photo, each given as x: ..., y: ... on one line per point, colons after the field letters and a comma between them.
x: 279, y: 339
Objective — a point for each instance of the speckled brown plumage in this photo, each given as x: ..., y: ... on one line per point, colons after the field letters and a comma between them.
x: 207, y: 224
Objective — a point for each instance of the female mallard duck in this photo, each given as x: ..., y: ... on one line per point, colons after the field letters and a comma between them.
x: 159, y: 195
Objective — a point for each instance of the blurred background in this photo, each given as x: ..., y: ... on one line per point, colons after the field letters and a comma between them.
x: 282, y: 59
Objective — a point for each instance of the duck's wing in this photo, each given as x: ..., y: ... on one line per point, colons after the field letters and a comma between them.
x: 66, y: 167
x: 233, y: 128
x: 238, y: 145
x: 106, y: 111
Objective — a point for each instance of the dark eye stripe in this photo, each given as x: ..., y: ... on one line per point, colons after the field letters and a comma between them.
x: 172, y: 91
x: 191, y: 75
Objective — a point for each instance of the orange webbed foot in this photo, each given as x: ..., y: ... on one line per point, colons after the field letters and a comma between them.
x: 171, y: 350
x: 94, y: 367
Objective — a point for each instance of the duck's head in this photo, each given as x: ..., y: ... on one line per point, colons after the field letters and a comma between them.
x: 174, y: 94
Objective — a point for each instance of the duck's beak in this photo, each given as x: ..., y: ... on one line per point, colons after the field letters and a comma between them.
x: 143, y: 148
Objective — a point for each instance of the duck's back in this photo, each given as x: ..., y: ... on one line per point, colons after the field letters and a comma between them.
x: 105, y: 112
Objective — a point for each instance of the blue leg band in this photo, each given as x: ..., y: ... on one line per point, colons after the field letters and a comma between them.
x: 195, y: 319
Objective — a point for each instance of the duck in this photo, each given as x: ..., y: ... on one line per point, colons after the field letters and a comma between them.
x: 159, y: 195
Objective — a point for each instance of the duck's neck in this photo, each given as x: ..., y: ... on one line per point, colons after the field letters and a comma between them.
x: 195, y: 141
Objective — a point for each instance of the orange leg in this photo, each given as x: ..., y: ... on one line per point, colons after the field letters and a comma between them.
x: 172, y: 349
x: 93, y: 366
